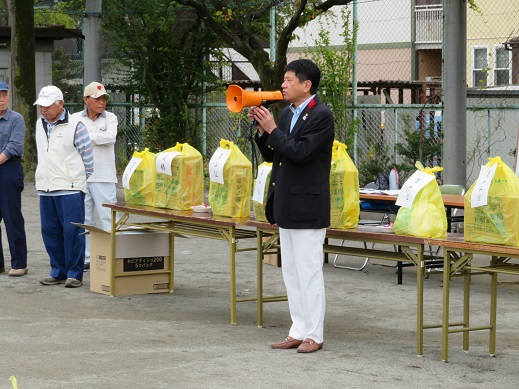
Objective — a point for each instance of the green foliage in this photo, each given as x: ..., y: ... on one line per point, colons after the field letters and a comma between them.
x: 424, y: 146
x: 245, y: 27
x: 45, y: 16
x: 474, y: 6
x: 374, y: 161
x: 336, y: 67
x: 64, y: 70
x: 163, y: 48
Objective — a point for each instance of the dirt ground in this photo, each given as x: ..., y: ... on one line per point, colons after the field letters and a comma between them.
x: 54, y: 337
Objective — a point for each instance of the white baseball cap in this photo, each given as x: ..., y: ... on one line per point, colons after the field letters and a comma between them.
x: 95, y: 90
x: 48, y: 95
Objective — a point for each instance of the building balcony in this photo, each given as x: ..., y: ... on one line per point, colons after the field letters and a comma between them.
x: 429, y: 24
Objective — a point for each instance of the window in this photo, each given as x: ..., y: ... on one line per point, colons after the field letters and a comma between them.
x: 502, y: 66
x: 479, y: 67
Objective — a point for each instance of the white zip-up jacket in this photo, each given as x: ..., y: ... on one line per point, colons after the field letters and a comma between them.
x: 60, y: 166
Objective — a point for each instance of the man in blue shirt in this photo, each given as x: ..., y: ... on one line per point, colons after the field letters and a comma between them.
x: 12, y: 134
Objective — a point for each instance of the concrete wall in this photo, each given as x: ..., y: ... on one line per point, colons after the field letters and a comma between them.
x: 43, y: 58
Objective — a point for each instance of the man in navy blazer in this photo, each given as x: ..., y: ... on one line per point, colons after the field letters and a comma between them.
x: 300, y: 149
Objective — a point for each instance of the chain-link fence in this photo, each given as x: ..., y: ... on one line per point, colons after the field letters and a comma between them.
x: 398, y: 89
x: 399, y: 79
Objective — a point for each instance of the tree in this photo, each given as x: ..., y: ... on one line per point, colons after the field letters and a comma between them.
x: 23, y: 74
x: 336, y: 67
x: 244, y: 26
x: 424, y: 145
x: 23, y: 18
x: 163, y: 49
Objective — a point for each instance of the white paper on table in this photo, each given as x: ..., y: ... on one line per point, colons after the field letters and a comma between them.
x: 479, y: 196
x: 412, y: 187
x: 391, y: 192
x: 164, y: 160
x: 217, y: 163
x: 259, y: 187
x: 369, y: 191
x: 130, y: 168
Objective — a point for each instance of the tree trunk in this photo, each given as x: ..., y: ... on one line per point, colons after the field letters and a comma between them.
x: 23, y: 74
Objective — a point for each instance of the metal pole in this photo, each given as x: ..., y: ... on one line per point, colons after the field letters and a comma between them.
x: 273, y: 34
x: 92, y: 44
x: 455, y: 92
x: 414, y: 62
x: 397, y: 158
x: 354, y: 84
x: 204, y: 104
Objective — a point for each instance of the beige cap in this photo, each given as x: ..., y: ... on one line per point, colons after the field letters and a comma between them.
x: 48, y: 95
x: 95, y: 90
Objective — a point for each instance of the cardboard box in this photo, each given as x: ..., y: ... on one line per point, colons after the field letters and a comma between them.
x: 272, y: 257
x: 142, y: 263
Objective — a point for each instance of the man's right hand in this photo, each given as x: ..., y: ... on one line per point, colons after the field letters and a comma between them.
x: 250, y: 115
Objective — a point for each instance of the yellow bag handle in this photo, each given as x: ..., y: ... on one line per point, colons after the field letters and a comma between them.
x: 339, y: 145
x: 493, y: 160
x: 226, y: 144
x: 428, y: 170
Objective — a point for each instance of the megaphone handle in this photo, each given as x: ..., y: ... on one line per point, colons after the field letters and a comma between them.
x: 265, y: 104
x: 254, y: 156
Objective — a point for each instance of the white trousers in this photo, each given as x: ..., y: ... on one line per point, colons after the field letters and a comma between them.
x: 98, y: 193
x: 302, y: 265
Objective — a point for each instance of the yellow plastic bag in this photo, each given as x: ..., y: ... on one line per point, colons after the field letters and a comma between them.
x: 498, y: 221
x: 259, y: 206
x: 230, y: 186
x: 139, y: 178
x: 426, y: 218
x: 180, y: 178
x: 344, y: 189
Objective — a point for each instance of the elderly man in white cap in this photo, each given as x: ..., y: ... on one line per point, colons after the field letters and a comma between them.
x: 101, y: 186
x: 65, y: 161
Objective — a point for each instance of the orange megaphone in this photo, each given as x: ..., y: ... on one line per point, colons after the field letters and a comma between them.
x: 238, y: 98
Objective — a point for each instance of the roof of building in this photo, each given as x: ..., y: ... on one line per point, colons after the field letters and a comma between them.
x: 47, y: 33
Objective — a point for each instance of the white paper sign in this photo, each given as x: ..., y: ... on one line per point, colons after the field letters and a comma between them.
x: 259, y: 187
x: 130, y: 168
x: 164, y: 160
x: 412, y: 187
x: 217, y: 163
x: 479, y: 196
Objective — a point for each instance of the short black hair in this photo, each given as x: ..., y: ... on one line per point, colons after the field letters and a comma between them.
x: 305, y: 69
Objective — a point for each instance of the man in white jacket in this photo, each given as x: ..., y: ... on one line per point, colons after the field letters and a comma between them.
x: 65, y: 162
x: 101, y: 186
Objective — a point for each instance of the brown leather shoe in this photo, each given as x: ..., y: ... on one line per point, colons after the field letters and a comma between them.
x: 289, y: 342
x: 309, y: 346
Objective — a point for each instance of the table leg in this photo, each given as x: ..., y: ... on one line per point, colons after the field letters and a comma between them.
x: 445, y: 315
x: 171, y: 261
x: 113, y: 231
x: 493, y: 312
x: 448, y: 211
x: 466, y: 309
x: 232, y: 248
x: 420, y: 275
x: 259, y: 279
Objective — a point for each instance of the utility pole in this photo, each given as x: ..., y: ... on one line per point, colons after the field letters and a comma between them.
x: 92, y: 45
x: 455, y: 92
